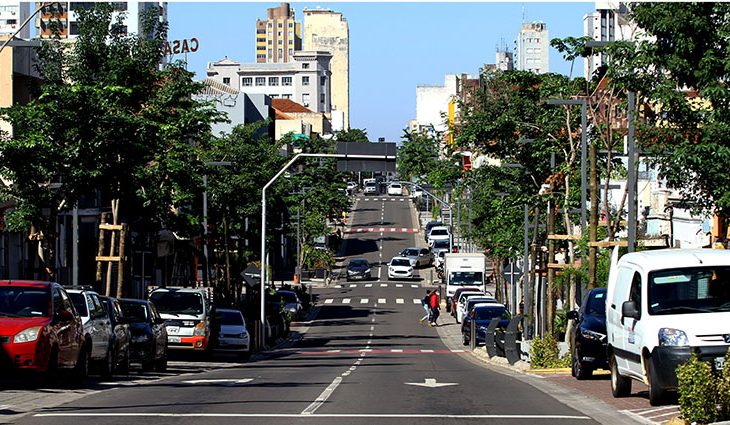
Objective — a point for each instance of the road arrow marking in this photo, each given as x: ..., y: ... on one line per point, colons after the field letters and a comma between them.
x: 219, y: 381
x: 431, y: 383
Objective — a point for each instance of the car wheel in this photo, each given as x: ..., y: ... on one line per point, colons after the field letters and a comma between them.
x: 580, y: 370
x: 123, y: 366
x: 161, y: 364
x: 464, y: 339
x: 657, y: 394
x: 620, y: 385
x: 107, y: 364
x: 81, y: 370
x: 52, y: 372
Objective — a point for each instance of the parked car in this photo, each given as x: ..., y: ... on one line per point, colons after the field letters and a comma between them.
x: 40, y: 330
x: 438, y: 260
x: 395, y: 189
x: 439, y: 233
x: 351, y: 187
x: 149, y: 334
x: 467, y: 303
x: 232, y: 333
x: 400, y: 268
x: 121, y: 335
x: 482, y: 315
x: 418, y: 256
x: 416, y: 192
x: 430, y: 225
x: 588, y: 338
x: 290, y: 303
x: 451, y: 306
x: 97, y: 328
x: 187, y: 313
x: 441, y: 245
x: 358, y: 268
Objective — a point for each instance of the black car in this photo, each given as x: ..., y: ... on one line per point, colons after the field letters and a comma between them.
x: 588, y: 339
x: 358, y: 268
x: 121, y: 335
x: 483, y: 315
x: 149, y: 335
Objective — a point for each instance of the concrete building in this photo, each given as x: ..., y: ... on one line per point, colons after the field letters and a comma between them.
x: 326, y: 30
x: 240, y: 108
x: 608, y: 23
x: 532, y: 48
x: 12, y: 16
x: 291, y: 117
x: 305, y: 80
x: 64, y: 16
x: 504, y: 60
x: 279, y: 36
x: 433, y: 101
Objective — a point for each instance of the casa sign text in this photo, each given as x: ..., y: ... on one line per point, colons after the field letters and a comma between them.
x: 176, y: 47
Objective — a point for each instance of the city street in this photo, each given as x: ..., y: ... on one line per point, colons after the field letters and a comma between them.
x: 364, y: 358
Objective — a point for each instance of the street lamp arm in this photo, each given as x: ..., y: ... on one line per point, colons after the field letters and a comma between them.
x: 32, y: 15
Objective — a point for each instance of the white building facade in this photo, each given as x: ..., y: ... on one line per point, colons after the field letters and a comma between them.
x: 432, y: 103
x: 305, y: 80
x: 532, y: 48
x: 12, y: 16
x: 608, y: 23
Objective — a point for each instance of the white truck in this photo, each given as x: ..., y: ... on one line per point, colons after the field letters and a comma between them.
x: 188, y: 316
x: 464, y: 270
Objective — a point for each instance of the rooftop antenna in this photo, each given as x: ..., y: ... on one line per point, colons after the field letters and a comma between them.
x: 523, y: 13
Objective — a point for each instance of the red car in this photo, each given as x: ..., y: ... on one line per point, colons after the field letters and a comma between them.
x: 40, y: 330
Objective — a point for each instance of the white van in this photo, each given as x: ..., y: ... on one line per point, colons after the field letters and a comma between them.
x: 187, y: 314
x: 662, y: 306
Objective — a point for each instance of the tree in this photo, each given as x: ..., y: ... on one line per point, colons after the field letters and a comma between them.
x: 352, y: 135
x: 107, y: 121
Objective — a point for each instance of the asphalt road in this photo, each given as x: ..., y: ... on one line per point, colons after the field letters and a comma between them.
x: 364, y: 359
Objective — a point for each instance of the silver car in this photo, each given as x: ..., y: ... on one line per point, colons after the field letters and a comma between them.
x: 418, y: 256
x: 232, y: 333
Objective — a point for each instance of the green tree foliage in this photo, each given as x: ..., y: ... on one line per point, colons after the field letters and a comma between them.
x: 422, y: 159
x: 352, y: 135
x: 107, y: 120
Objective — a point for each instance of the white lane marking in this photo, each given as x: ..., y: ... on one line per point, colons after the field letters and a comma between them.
x: 431, y: 383
x: 383, y: 285
x: 392, y: 229
x: 339, y: 286
x: 399, y: 301
x: 382, y: 229
x: 404, y: 229
x: 218, y: 381
x: 345, y: 301
x: 531, y: 418
x: 381, y: 300
x: 426, y: 351
x: 329, y: 301
x: 380, y: 269
x: 416, y: 301
x: 368, y: 285
x: 363, y: 300
x: 396, y: 350
x: 414, y: 286
x: 402, y: 200
x: 352, y: 285
x: 365, y: 350
x: 457, y: 351
x: 322, y: 397
x: 370, y: 229
x: 334, y: 351
x: 372, y: 328
x: 398, y: 285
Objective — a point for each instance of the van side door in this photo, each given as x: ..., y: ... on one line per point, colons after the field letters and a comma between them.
x: 617, y: 331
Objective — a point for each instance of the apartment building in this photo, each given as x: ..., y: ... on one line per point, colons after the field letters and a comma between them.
x: 12, y: 16
x: 327, y: 30
x: 608, y: 23
x: 279, y: 36
x: 63, y: 17
x: 532, y: 48
x: 305, y: 79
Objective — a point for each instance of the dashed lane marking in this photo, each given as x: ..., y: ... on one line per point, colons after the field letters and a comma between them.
x: 381, y: 300
x: 399, y: 301
x: 329, y: 301
x: 346, y: 301
x: 364, y: 301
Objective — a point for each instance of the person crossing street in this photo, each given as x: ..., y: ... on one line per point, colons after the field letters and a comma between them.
x: 434, y: 303
x: 426, y: 304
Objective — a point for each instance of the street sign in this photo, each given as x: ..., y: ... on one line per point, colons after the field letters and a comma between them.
x: 386, y: 150
x: 252, y: 276
x: 514, y: 273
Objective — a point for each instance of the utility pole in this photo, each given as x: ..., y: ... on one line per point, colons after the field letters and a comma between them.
x: 593, y: 231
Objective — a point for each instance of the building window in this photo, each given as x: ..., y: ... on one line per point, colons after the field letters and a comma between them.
x: 281, y: 42
x: 321, y: 98
x: 273, y: 81
x: 263, y: 56
x: 261, y: 40
x: 279, y: 34
x: 73, y: 29
x: 291, y: 25
x: 291, y: 52
x: 305, y: 81
x: 286, y: 81
x: 270, y: 42
x: 305, y: 66
x: 305, y: 99
x: 281, y: 25
x: 281, y: 52
x: 260, y: 81
x: 227, y: 81
x: 322, y: 81
x: 286, y: 96
x: 247, y: 81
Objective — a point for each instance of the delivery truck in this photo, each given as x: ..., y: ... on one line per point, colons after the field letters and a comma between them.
x: 463, y: 270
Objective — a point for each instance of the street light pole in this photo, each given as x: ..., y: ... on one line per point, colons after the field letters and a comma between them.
x: 451, y: 213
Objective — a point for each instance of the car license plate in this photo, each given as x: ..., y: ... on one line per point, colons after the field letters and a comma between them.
x: 173, y: 329
x: 173, y: 339
x: 719, y: 363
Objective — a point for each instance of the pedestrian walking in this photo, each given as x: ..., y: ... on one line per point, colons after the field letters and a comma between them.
x: 434, y: 303
x: 426, y: 304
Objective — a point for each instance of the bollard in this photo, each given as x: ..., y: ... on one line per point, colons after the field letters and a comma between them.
x: 490, y: 337
x: 512, y: 349
x: 473, y: 334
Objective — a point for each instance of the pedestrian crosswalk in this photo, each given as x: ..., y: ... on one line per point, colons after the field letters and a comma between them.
x: 370, y: 285
x: 384, y: 199
x: 383, y: 229
x: 382, y: 351
x: 368, y: 301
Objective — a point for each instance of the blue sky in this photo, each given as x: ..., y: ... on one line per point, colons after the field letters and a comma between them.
x: 393, y: 46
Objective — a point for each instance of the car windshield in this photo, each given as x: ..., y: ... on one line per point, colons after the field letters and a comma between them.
x: 230, y: 318
x: 439, y: 232
x: 488, y: 312
x: 369, y: 184
x: 410, y: 252
x: 441, y: 244
x: 358, y: 263
x: 287, y: 297
x: 135, y: 312
x: 24, y: 301
x: 79, y: 301
x: 395, y: 186
x: 177, y: 302
x: 400, y: 262
x: 689, y: 290
x: 466, y: 278
x: 596, y: 304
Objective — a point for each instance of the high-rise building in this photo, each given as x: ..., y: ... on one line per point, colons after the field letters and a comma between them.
x: 63, y: 16
x: 279, y: 36
x: 12, y: 16
x: 326, y: 30
x: 504, y: 60
x: 608, y: 23
x: 532, y: 48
